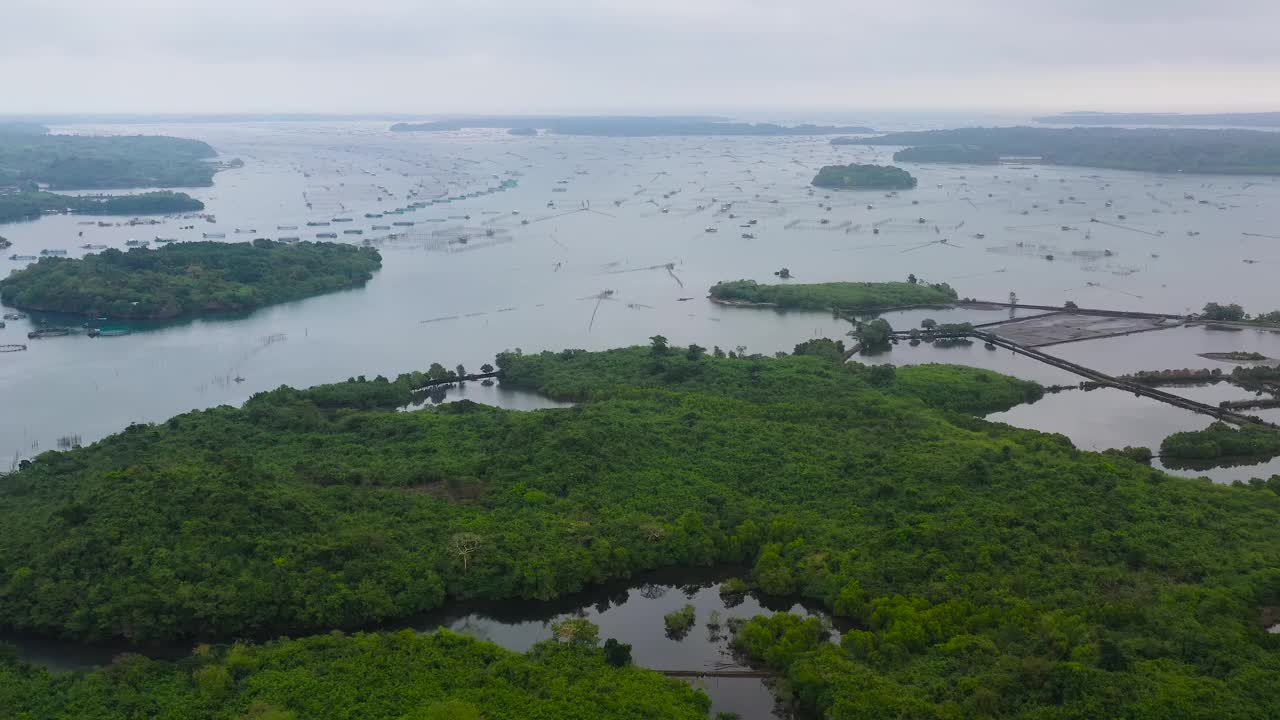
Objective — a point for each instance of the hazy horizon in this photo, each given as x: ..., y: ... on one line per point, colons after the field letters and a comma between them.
x: 729, y: 57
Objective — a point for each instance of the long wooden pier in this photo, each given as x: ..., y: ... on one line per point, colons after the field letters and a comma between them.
x: 1102, y: 378
x: 1059, y: 309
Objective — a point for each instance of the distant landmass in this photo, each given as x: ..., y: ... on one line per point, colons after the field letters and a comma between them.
x: 1256, y: 119
x: 31, y: 205
x: 145, y: 118
x: 1224, y: 152
x: 29, y: 154
x: 965, y: 154
x: 629, y: 126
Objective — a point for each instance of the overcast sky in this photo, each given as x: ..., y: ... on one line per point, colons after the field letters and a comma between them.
x: 509, y: 56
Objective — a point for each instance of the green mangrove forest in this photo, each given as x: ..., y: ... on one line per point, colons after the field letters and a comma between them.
x: 30, y: 154
x: 377, y: 676
x: 966, y: 154
x: 1221, y: 440
x: 863, y: 177
x: 184, y: 279
x: 28, y: 205
x: 841, y: 296
x: 986, y: 570
x: 1227, y: 152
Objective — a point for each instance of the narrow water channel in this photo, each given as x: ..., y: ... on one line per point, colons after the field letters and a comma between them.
x: 630, y: 611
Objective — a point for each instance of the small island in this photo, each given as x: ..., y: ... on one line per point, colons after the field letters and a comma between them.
x: 187, y: 279
x: 840, y: 296
x: 30, y: 154
x: 965, y: 154
x: 864, y: 177
x: 1226, y: 152
x: 1237, y: 356
x: 1221, y: 440
x: 31, y: 205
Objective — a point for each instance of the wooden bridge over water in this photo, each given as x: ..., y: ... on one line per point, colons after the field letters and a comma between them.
x: 1098, y: 377
x: 719, y: 673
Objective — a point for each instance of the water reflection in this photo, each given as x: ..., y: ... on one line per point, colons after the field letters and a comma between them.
x: 630, y: 611
x: 488, y: 392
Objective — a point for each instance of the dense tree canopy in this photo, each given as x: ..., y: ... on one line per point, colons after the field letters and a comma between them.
x: 381, y: 676
x: 864, y: 177
x: 68, y: 162
x: 188, y: 278
x: 845, y: 296
x: 1221, y: 440
x: 29, y: 205
x: 988, y: 570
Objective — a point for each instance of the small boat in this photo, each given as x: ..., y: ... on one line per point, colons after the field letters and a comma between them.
x: 165, y: 240
x: 327, y: 235
x: 710, y: 230
x: 290, y: 240
x: 748, y: 236
x: 241, y: 231
x: 213, y: 236
x: 109, y: 332
x: 138, y: 243
x: 15, y: 316
x: 403, y: 223
x: 381, y: 227
x: 342, y: 219
x: 352, y: 232
x: 53, y: 252
x: 48, y: 333
x: 317, y: 224
x: 286, y: 227
x: 373, y: 215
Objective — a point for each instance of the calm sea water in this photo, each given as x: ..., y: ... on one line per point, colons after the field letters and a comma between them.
x: 592, y: 214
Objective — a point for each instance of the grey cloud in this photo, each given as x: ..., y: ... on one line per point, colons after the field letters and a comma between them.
x: 622, y: 53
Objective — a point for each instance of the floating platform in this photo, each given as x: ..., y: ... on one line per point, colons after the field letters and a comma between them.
x: 1056, y: 328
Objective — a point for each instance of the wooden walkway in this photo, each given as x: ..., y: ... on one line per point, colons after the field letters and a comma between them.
x: 1102, y: 378
x: 1081, y: 311
x: 720, y: 673
x: 455, y: 380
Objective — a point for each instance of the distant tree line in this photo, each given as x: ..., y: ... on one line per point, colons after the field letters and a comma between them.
x: 1243, y: 152
x: 67, y: 162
